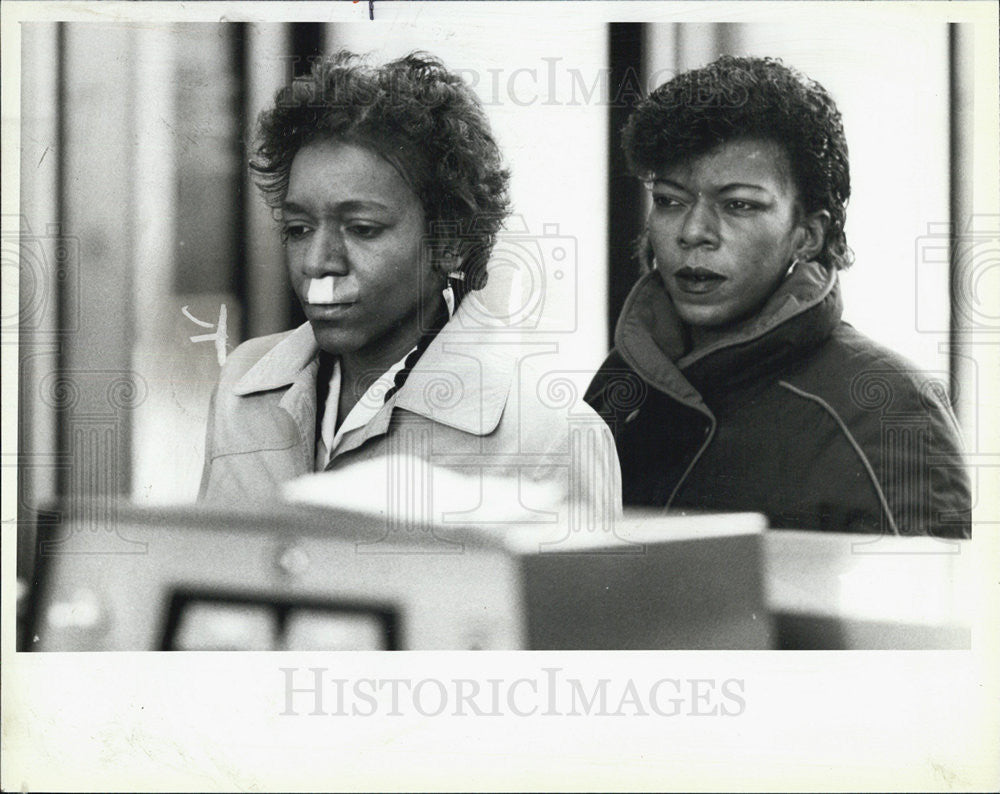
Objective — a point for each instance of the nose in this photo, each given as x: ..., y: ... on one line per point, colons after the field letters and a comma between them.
x: 327, y: 254
x: 700, y: 227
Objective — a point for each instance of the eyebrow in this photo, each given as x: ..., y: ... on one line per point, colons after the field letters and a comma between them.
x: 353, y: 204
x: 723, y: 189
x: 744, y: 185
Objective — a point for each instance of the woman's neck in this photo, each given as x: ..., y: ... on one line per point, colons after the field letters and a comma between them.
x: 359, y: 371
x: 360, y: 365
x: 703, y: 337
x: 363, y: 366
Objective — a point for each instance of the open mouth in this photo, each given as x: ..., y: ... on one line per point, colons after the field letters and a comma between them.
x: 698, y: 279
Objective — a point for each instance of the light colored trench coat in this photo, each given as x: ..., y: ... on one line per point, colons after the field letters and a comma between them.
x: 474, y: 405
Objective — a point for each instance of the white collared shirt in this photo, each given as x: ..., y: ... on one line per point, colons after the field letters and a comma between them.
x: 361, y: 414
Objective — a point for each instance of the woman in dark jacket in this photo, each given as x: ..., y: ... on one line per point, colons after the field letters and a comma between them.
x: 734, y: 384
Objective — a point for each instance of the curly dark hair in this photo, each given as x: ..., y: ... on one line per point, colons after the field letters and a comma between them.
x: 420, y: 117
x: 734, y: 98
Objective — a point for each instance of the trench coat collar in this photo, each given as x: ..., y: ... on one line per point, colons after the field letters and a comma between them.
x: 282, y: 365
x: 459, y: 381
x: 650, y: 336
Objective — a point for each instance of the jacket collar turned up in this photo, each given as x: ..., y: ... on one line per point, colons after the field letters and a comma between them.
x: 650, y: 337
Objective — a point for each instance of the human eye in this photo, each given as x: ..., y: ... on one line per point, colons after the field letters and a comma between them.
x: 742, y: 205
x: 665, y: 202
x: 365, y: 230
x: 293, y: 231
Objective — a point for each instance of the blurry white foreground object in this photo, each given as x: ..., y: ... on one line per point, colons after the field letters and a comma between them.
x: 299, y: 578
x: 316, y: 630
x: 416, y: 490
x: 226, y: 627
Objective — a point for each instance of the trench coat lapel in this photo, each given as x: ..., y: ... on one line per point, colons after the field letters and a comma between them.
x: 457, y: 382
x: 291, y: 365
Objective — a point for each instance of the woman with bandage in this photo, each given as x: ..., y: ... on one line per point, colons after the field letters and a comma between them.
x: 390, y: 191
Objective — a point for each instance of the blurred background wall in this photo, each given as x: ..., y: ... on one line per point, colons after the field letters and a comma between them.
x: 140, y: 228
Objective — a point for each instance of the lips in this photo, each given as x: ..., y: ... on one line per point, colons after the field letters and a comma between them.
x: 698, y: 280
x: 320, y: 312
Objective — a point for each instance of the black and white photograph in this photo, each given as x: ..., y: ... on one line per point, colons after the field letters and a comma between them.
x: 634, y: 336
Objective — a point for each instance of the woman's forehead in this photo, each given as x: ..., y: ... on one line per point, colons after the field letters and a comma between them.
x: 752, y: 161
x: 336, y: 171
x: 348, y: 160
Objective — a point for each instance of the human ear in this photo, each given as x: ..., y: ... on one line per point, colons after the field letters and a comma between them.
x: 812, y: 235
x: 446, y: 260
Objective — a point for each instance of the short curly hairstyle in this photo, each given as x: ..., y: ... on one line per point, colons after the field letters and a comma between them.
x: 735, y: 98
x: 421, y: 118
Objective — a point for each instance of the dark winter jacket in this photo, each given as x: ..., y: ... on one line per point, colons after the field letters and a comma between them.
x: 799, y: 417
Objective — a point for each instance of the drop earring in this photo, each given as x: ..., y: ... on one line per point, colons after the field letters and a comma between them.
x: 449, y: 293
x: 791, y: 267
